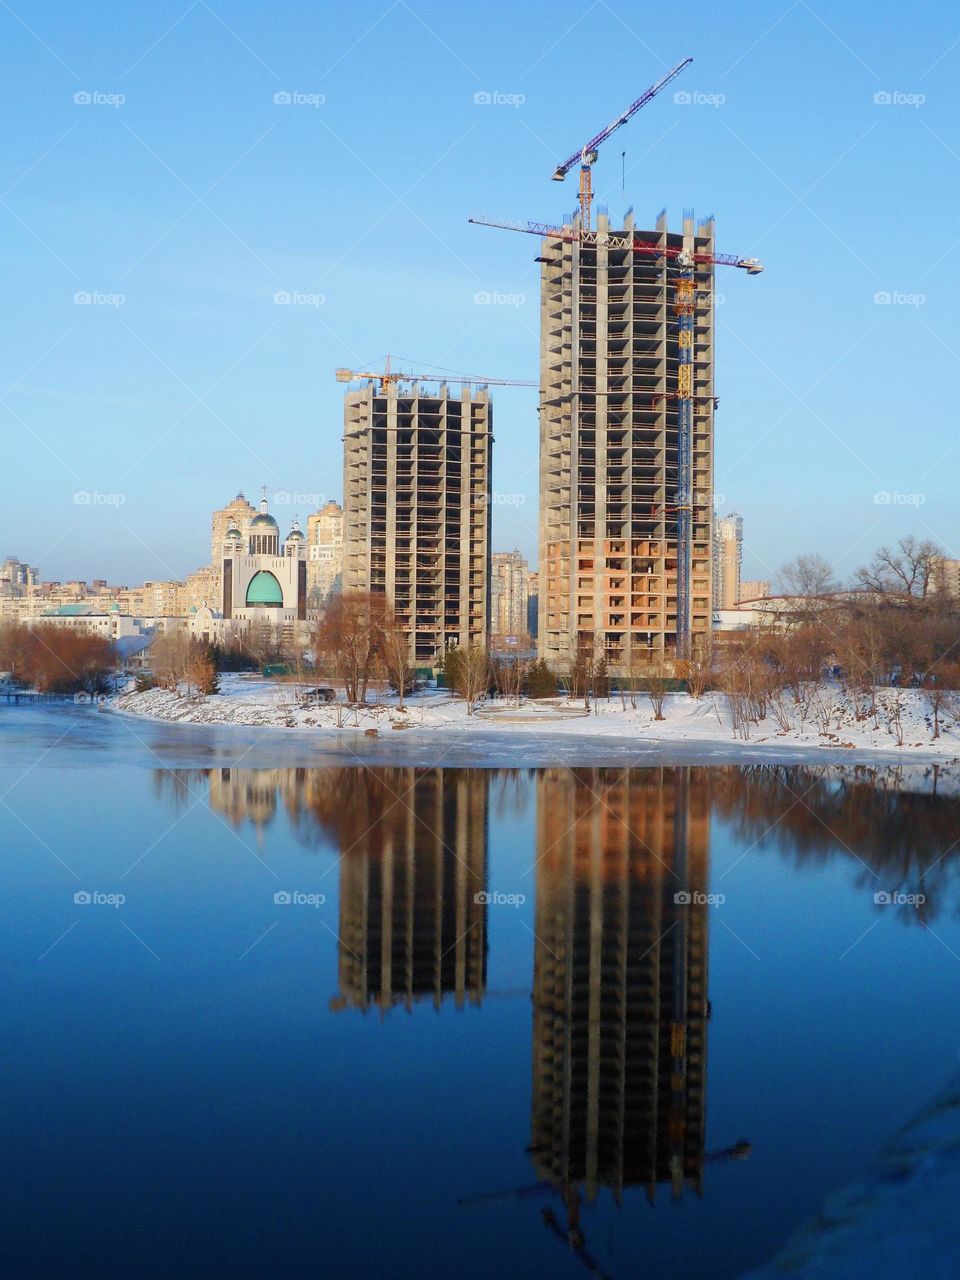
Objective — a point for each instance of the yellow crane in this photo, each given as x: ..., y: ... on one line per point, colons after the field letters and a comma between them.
x: 389, y: 375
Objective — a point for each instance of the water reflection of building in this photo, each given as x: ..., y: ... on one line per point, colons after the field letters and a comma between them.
x: 620, y: 981
x: 412, y: 879
x: 251, y: 795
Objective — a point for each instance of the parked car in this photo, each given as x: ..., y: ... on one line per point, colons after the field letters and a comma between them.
x: 322, y: 693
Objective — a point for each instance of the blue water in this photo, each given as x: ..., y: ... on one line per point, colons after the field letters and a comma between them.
x: 203, y: 1081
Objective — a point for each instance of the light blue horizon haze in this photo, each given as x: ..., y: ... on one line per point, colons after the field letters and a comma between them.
x: 822, y: 136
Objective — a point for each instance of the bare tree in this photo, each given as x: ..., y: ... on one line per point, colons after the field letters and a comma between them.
x: 656, y: 676
x: 468, y: 673
x: 350, y: 635
x: 511, y: 665
x: 907, y: 573
x: 396, y: 654
x: 808, y: 575
x: 169, y: 658
x: 200, y: 673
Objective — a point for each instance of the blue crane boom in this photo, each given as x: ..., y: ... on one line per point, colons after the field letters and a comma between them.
x: 587, y: 154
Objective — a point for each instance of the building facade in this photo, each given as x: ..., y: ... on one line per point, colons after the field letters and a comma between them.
x: 727, y: 559
x: 264, y: 582
x: 324, y: 554
x: 417, y: 511
x: 609, y: 357
x: 753, y: 589
x: 237, y: 514
x: 508, y: 594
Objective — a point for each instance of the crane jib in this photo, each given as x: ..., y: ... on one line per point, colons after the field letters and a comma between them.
x: 621, y: 119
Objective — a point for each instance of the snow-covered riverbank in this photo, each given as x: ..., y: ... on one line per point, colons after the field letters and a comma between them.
x: 901, y: 721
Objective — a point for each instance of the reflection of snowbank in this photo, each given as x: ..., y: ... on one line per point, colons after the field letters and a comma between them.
x: 901, y: 721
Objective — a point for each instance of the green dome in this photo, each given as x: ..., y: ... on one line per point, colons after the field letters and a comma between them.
x: 232, y: 534
x: 295, y: 535
x: 263, y: 520
x: 265, y: 590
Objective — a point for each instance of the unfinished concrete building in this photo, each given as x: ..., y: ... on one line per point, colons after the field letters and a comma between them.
x: 609, y: 355
x: 417, y: 511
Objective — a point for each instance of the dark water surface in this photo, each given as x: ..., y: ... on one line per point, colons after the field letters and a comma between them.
x: 373, y: 1021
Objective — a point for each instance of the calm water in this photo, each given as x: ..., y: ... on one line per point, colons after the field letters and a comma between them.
x: 362, y: 1022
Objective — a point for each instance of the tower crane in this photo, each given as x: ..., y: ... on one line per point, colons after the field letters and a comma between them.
x: 588, y: 153
x: 388, y: 376
x: 685, y: 258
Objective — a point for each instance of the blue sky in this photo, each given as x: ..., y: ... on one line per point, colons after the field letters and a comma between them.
x: 197, y: 198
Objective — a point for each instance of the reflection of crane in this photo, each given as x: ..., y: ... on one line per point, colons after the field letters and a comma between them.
x: 587, y: 155
x: 685, y: 259
x: 573, y: 1234
x: 389, y: 375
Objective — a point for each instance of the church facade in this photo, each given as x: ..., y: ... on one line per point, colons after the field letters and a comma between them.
x: 264, y: 580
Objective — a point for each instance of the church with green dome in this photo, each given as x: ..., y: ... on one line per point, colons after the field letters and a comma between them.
x: 264, y: 579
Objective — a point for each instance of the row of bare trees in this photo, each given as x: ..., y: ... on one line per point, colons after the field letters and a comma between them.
x: 55, y: 659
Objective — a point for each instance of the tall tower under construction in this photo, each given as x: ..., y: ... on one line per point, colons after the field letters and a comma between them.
x: 417, y: 512
x: 613, y: 338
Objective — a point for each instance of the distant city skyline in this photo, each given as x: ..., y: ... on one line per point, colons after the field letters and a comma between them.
x: 206, y: 212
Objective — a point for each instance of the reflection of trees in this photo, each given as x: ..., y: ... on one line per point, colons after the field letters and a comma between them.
x: 899, y: 836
